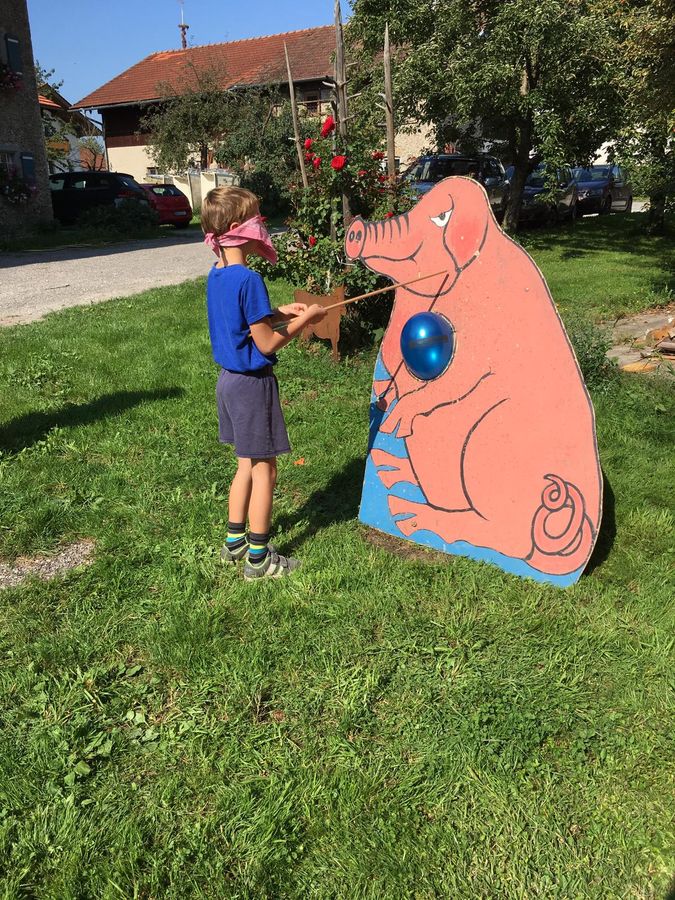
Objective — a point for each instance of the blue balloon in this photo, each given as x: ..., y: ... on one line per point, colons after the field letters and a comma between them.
x: 427, y: 345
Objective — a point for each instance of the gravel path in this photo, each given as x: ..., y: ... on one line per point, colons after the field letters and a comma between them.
x: 36, y: 283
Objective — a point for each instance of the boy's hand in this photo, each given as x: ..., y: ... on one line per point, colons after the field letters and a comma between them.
x: 292, y: 309
x: 315, y: 313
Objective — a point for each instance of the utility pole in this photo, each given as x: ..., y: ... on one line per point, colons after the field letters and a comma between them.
x: 296, y: 123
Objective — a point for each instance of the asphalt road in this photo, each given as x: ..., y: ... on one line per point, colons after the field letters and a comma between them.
x: 36, y: 283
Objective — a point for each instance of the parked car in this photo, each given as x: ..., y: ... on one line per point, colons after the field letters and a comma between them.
x: 426, y: 171
x: 562, y: 206
x: 75, y: 192
x: 172, y: 206
x: 603, y: 189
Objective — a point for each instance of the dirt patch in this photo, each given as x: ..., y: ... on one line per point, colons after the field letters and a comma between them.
x: 404, y: 549
x: 46, y: 567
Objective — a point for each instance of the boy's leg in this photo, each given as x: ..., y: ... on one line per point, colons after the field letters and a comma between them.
x: 264, y: 479
x: 236, y: 545
x: 263, y: 561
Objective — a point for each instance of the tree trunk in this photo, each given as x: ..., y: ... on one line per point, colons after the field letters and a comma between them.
x: 521, y: 163
x: 656, y: 214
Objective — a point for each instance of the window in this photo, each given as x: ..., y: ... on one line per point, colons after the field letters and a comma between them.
x: 28, y: 168
x: 13, y: 48
x: 6, y: 163
x: 57, y: 183
x: 311, y: 101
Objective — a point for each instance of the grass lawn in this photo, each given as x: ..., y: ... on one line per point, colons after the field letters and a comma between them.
x: 605, y: 267
x: 375, y: 727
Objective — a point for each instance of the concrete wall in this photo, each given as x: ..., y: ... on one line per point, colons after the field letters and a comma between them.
x: 21, y: 125
x: 411, y: 145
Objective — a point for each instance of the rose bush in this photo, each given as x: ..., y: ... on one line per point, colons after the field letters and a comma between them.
x: 311, y: 253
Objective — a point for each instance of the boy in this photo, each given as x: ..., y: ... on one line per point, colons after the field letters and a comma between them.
x: 244, y: 343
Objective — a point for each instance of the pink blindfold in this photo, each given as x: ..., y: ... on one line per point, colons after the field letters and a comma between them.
x: 252, y: 229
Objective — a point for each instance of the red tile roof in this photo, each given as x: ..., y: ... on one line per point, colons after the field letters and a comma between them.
x: 249, y: 62
x: 47, y: 103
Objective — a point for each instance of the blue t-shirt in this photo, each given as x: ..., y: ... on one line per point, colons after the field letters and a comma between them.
x: 236, y: 298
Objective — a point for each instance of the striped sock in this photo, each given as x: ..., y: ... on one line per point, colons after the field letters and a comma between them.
x: 236, y: 535
x: 258, y: 550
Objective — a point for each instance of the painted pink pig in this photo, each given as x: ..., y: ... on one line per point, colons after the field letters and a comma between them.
x: 502, y: 444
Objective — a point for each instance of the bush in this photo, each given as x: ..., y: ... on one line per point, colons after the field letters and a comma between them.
x: 129, y: 219
x: 591, y: 345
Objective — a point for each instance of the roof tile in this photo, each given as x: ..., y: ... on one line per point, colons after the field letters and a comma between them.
x: 247, y: 62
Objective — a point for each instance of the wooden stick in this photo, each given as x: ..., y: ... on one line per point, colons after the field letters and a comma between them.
x: 391, y: 287
x: 296, y: 125
x: 389, y: 101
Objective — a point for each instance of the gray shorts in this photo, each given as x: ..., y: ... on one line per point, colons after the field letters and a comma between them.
x: 249, y: 414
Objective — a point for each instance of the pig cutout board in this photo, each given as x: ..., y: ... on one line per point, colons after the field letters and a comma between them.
x: 490, y: 452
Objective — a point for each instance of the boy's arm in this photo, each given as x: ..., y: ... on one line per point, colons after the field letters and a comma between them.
x: 269, y: 341
x: 287, y: 313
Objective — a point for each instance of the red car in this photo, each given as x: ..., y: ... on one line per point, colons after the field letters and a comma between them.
x: 172, y: 206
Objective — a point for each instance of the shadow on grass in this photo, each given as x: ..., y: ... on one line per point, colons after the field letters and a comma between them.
x: 27, y: 430
x: 671, y: 891
x: 617, y: 232
x: 607, y: 533
x: 337, y: 502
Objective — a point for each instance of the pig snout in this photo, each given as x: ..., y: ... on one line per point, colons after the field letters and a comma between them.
x: 389, y: 239
x: 356, y: 238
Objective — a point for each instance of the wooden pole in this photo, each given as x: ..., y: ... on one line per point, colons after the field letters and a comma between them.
x: 389, y: 108
x: 342, y: 103
x: 296, y: 123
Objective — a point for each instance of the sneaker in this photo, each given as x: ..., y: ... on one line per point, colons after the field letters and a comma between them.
x: 234, y: 556
x: 275, y: 566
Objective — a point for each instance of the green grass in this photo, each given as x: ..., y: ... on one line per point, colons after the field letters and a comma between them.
x: 605, y: 267
x: 376, y: 727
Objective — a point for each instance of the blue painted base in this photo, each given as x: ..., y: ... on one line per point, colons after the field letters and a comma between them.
x: 375, y: 512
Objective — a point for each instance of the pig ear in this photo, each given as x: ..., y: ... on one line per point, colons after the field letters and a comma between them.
x: 465, y: 233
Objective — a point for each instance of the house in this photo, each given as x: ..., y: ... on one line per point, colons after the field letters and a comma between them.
x: 24, y: 186
x: 254, y: 62
x: 73, y: 140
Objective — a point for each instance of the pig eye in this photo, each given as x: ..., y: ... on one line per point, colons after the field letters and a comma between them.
x: 443, y: 219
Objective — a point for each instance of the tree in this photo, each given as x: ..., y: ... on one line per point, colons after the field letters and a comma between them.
x: 531, y: 75
x: 57, y: 145
x: 257, y: 144
x: 645, y: 75
x: 190, y: 119
x: 67, y: 131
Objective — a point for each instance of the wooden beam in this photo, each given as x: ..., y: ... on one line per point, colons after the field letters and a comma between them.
x: 389, y: 107
x: 296, y: 122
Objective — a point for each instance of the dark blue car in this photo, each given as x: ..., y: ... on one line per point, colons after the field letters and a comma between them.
x: 603, y: 189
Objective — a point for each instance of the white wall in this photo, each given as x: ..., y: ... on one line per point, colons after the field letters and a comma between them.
x: 132, y: 161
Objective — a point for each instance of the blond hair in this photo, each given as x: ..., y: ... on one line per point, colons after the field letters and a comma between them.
x: 224, y: 205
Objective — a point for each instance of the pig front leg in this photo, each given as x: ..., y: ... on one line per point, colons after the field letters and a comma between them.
x: 434, y: 395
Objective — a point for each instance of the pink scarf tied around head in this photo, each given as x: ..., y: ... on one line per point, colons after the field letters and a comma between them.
x: 252, y: 229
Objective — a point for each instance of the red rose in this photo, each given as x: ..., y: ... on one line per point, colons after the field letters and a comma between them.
x: 312, y: 241
x: 388, y: 215
x: 378, y: 154
x: 338, y: 163
x: 316, y: 162
x: 362, y: 172
x: 381, y: 178
x: 309, y: 157
x: 308, y: 143
x: 328, y: 126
